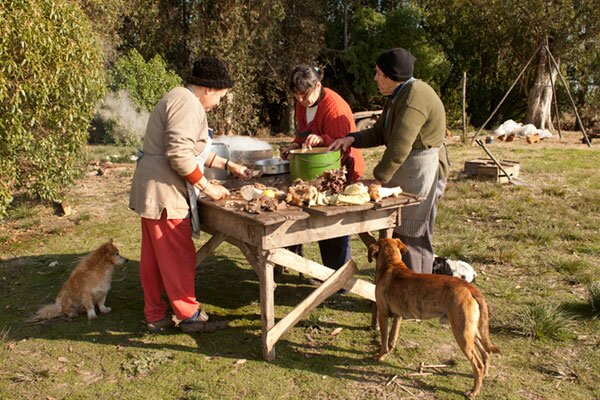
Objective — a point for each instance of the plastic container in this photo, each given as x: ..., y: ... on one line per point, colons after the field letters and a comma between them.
x: 309, y: 164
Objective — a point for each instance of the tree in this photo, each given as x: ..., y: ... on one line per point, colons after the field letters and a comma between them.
x: 370, y: 33
x: 51, y: 76
x: 493, y: 39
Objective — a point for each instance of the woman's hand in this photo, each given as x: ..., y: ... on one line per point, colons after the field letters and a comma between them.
x: 215, y: 192
x: 313, y: 140
x: 240, y: 171
x: 341, y: 143
x: 284, y: 151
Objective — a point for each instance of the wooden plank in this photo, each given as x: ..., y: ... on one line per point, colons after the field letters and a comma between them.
x: 215, y: 209
x: 337, y: 210
x: 403, y: 199
x: 320, y: 227
x: 329, y: 287
x: 251, y: 255
x: 267, y: 304
x: 209, y: 247
x: 293, y: 261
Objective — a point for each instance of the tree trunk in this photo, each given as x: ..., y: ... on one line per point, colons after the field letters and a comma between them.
x: 539, y: 107
x: 290, y: 115
x: 346, y: 6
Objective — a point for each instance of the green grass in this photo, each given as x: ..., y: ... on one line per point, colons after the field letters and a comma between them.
x: 535, y: 250
x: 543, y: 321
x: 594, y: 298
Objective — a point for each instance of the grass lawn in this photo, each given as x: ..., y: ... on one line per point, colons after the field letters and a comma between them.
x: 535, y: 249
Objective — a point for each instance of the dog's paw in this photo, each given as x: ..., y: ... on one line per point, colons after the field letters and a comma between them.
x: 380, y: 356
x: 91, y: 314
x: 105, y: 310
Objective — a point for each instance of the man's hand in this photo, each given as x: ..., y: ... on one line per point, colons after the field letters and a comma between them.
x: 215, y: 192
x: 284, y: 151
x: 341, y: 143
x: 313, y: 140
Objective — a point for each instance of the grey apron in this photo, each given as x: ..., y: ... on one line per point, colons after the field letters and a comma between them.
x: 417, y: 175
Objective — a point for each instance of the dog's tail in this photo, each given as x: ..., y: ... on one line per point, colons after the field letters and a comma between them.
x: 484, y: 323
x: 49, y: 311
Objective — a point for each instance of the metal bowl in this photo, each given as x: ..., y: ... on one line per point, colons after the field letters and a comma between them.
x: 273, y: 166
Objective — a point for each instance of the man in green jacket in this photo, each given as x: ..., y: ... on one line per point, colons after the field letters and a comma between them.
x: 412, y: 127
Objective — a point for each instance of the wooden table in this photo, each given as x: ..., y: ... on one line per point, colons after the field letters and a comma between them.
x: 262, y: 239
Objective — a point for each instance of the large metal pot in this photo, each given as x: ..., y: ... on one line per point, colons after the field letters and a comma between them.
x: 272, y: 166
x: 249, y: 157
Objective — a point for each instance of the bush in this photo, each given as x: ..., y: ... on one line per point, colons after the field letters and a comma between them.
x: 146, y: 82
x: 51, y: 77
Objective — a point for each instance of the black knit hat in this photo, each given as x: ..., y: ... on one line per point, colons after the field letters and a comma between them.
x: 210, y: 72
x: 397, y: 64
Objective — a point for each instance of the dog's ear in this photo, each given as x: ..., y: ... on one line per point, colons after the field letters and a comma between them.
x: 401, y: 246
x: 373, y: 251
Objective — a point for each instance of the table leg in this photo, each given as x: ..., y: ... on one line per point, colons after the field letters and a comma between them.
x: 367, y: 238
x: 386, y: 233
x: 209, y: 247
x: 267, y: 304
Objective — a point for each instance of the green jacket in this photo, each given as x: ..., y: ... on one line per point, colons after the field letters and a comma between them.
x: 415, y: 120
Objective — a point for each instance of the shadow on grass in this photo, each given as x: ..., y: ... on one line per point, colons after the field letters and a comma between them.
x: 222, y: 284
x: 579, y: 310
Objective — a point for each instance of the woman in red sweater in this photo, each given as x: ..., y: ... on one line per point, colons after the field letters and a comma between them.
x: 322, y: 116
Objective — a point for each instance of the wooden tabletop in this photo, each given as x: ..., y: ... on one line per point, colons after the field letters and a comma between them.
x: 234, y: 205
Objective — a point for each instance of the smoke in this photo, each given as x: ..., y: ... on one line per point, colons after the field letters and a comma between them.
x: 119, y: 120
x: 243, y: 143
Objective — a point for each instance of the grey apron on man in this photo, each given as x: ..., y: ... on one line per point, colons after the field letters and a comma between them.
x: 417, y: 175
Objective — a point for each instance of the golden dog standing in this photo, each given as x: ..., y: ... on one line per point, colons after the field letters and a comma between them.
x: 168, y: 176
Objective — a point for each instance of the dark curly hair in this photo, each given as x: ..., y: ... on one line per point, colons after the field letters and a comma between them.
x: 304, y: 77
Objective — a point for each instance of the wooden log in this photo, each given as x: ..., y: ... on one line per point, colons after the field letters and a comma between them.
x: 327, y: 288
x: 267, y: 305
x: 209, y: 247
x: 293, y: 261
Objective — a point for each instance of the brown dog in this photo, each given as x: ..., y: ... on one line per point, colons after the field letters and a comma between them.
x: 402, y: 293
x: 87, y: 285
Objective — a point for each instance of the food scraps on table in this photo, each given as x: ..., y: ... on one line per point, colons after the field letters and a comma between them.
x: 377, y: 192
x: 330, y: 188
x: 264, y: 203
x: 332, y: 181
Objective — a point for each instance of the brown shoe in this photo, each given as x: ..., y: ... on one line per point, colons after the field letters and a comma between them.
x: 202, y: 326
x: 160, y: 325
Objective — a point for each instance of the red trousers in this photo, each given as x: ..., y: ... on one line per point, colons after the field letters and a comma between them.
x: 168, y: 264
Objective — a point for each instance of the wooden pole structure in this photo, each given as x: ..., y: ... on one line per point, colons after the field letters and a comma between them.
x: 562, y: 79
x: 554, y: 94
x: 464, y: 108
x: 507, y: 93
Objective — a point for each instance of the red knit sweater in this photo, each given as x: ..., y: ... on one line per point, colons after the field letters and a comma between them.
x: 333, y: 120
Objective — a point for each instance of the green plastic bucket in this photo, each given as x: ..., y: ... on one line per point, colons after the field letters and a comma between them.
x: 307, y: 164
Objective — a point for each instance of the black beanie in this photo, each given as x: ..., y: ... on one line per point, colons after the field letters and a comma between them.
x: 210, y: 72
x: 397, y: 64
